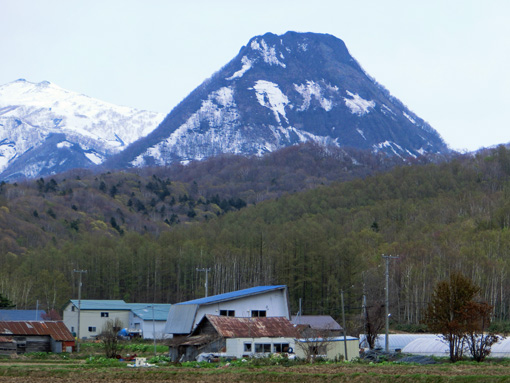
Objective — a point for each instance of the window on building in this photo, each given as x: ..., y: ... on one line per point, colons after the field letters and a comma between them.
x: 281, y: 347
x: 262, y: 347
x: 92, y: 329
x: 258, y: 313
x: 247, y: 347
x: 228, y: 313
x: 104, y: 315
x: 72, y: 308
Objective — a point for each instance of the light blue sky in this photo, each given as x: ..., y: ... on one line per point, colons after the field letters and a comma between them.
x: 448, y: 61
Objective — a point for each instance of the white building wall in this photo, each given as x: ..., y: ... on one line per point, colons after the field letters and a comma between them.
x: 91, y: 320
x: 335, y: 348
x: 273, y: 302
x: 147, y: 327
x: 236, y: 346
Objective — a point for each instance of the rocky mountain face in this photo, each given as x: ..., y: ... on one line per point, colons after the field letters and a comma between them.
x: 45, y: 129
x: 280, y: 91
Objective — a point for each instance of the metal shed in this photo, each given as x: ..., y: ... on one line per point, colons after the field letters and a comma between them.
x: 33, y: 336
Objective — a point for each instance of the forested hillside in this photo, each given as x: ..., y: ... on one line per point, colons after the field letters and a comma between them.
x: 436, y: 217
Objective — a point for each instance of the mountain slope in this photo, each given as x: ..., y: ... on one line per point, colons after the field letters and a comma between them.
x: 45, y: 129
x: 279, y: 91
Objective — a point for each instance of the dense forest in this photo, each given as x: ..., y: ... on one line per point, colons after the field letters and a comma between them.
x: 321, y: 239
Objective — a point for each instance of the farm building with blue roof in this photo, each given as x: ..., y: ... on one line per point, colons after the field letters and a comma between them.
x: 260, y: 301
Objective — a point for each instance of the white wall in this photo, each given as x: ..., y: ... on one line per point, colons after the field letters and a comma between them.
x: 235, y: 346
x: 147, y: 327
x: 91, y: 318
x: 335, y: 348
x: 273, y: 302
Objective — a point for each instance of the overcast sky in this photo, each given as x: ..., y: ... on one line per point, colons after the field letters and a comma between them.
x: 448, y: 61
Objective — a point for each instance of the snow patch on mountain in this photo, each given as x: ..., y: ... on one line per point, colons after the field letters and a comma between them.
x: 311, y: 88
x: 389, y: 145
x: 247, y: 63
x: 409, y: 117
x: 95, y: 158
x: 268, y: 53
x: 270, y: 96
x: 64, y: 144
x: 358, y: 105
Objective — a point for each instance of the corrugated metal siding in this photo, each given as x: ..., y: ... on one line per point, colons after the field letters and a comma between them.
x: 57, y: 330
x: 232, y: 327
x: 233, y: 295
x: 180, y: 319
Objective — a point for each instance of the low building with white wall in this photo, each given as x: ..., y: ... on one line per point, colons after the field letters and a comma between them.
x: 150, y: 319
x: 94, y: 314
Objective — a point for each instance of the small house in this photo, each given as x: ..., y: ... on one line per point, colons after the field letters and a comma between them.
x: 93, y: 315
x: 19, y: 337
x: 148, y: 320
x: 236, y: 337
x: 255, y: 302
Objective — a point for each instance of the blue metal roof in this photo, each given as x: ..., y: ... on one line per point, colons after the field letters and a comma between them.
x: 144, y: 311
x: 100, y: 304
x: 232, y: 295
x: 21, y: 315
x: 160, y: 309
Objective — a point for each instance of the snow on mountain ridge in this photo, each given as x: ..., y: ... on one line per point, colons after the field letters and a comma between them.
x: 280, y: 91
x: 30, y: 113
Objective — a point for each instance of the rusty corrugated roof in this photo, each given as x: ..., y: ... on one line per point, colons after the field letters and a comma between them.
x: 57, y: 329
x: 235, y: 327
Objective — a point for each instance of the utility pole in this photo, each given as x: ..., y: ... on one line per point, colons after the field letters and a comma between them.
x: 343, y: 325
x: 79, y: 308
x: 387, y: 304
x: 206, y: 274
x: 154, y: 330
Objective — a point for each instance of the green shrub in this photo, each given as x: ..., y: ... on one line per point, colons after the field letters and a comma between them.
x: 103, y: 361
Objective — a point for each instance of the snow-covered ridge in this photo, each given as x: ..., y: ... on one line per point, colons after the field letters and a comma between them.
x: 31, y: 112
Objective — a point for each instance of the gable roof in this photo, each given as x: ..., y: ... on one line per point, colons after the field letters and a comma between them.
x: 57, y: 329
x: 235, y: 327
x: 233, y: 295
x: 316, y: 322
x: 17, y: 315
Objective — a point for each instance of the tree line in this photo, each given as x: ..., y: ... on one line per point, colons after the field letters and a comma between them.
x: 438, y: 218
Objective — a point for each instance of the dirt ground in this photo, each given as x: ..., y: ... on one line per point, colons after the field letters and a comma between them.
x: 61, y: 373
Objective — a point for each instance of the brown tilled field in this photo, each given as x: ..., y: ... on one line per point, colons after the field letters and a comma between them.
x: 77, y: 372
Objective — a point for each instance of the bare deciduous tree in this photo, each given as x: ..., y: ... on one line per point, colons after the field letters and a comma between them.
x: 109, y: 337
